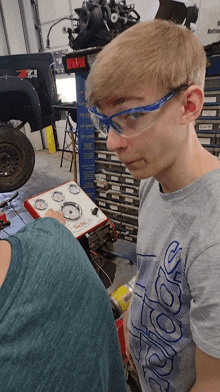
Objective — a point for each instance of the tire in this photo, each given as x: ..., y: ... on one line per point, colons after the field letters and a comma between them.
x: 17, y: 159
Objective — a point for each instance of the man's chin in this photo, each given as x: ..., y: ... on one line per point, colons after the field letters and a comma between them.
x: 139, y: 174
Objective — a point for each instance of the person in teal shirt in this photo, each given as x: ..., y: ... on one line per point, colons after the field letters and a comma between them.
x: 57, y: 331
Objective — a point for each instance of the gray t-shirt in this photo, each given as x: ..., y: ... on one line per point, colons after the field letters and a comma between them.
x: 176, y: 301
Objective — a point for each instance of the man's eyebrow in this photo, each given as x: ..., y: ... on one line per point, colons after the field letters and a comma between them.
x: 119, y: 101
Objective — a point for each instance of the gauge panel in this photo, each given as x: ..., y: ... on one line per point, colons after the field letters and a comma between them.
x: 71, y: 210
x: 58, y: 196
x: 74, y: 189
x: 81, y: 213
x: 41, y: 204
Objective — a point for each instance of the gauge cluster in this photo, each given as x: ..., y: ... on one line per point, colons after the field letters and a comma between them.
x: 81, y: 213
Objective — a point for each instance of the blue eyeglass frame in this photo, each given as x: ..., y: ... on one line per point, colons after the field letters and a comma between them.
x: 144, y: 109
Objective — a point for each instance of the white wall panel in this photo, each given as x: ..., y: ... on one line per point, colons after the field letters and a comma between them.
x: 14, y: 26
x: 146, y: 9
x: 76, y: 3
x: 33, y: 44
x: 209, y: 22
x: 3, y: 43
x: 34, y: 137
x: 51, y: 11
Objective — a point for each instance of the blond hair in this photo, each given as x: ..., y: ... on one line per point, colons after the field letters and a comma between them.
x: 159, y: 52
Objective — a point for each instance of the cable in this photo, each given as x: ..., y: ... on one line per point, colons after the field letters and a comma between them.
x: 17, y: 214
x: 112, y: 284
x: 5, y: 202
x: 60, y: 20
x: 5, y: 232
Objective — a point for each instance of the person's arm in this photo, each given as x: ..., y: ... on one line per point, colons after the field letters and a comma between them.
x: 5, y: 259
x: 207, y: 373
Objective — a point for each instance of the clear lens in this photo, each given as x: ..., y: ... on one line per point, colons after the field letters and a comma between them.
x: 130, y: 124
x: 103, y: 128
x: 127, y: 124
x: 99, y: 125
x: 117, y: 127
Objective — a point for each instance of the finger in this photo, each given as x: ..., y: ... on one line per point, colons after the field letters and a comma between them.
x: 131, y: 360
x: 61, y: 217
x: 133, y: 365
x: 49, y: 212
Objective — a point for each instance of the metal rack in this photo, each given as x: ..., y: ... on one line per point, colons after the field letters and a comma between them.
x: 116, y: 191
x: 208, y: 123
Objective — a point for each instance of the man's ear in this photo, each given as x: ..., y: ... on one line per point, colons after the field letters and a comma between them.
x: 192, y: 104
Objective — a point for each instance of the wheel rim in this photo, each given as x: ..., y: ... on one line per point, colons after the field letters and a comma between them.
x: 10, y: 159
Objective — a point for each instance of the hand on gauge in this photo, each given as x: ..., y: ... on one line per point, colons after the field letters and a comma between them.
x: 56, y: 215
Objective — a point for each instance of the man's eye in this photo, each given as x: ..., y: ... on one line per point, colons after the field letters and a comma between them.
x: 135, y: 116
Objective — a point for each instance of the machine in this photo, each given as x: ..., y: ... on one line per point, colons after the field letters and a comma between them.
x: 95, y: 232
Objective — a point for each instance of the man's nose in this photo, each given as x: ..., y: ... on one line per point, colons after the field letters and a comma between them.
x: 115, y: 142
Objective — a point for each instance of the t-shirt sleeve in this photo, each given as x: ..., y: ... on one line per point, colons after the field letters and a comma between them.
x: 203, y: 278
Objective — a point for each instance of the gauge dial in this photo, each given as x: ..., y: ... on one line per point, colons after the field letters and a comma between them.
x: 71, y: 211
x: 74, y: 188
x: 58, y: 196
x: 40, y: 204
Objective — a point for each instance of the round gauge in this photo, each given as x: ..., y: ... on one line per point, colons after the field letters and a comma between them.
x: 40, y: 204
x: 71, y: 211
x: 73, y: 188
x: 58, y: 196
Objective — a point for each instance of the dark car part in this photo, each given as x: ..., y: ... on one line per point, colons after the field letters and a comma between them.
x: 98, y: 246
x: 212, y: 49
x: 98, y: 23
x: 192, y: 14
x: 17, y: 159
x: 27, y: 93
x: 4, y: 222
x: 28, y: 89
x: 19, y: 101
x: 177, y: 12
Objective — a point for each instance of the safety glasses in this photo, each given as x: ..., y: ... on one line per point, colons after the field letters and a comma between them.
x: 132, y: 121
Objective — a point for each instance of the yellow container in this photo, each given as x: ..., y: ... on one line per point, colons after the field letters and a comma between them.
x: 50, y: 139
x: 121, y: 297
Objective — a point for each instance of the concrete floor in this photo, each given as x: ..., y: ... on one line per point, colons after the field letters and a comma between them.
x: 48, y: 174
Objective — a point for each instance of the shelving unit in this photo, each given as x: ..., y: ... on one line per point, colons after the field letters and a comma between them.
x: 116, y: 191
x: 208, y: 123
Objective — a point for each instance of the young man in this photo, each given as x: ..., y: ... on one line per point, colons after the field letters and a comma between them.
x: 144, y: 91
x: 57, y: 332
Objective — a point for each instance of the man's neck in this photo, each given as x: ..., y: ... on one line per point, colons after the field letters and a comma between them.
x: 192, y: 165
x: 5, y: 259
